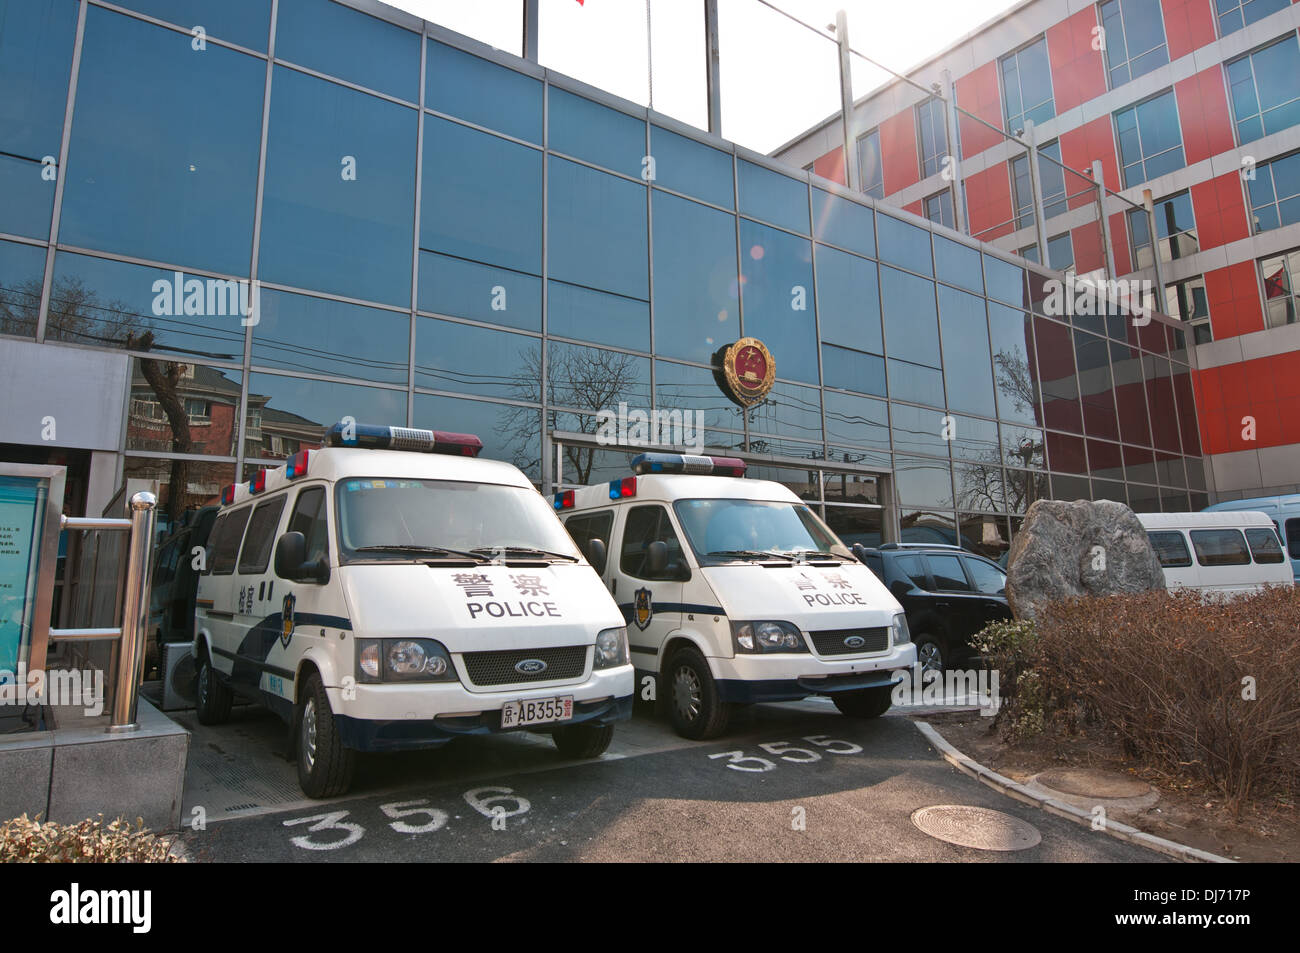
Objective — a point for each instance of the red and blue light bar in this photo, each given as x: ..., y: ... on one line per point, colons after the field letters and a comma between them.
x: 564, y: 500
x: 688, y: 463
x: 371, y: 437
x: 258, y: 483
x: 228, y: 495
x: 296, y: 465
x: 621, y: 489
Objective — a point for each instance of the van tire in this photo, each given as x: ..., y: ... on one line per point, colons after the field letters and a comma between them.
x: 583, y: 741
x: 212, y: 697
x: 324, y: 766
x: 865, y: 702
x: 703, y: 714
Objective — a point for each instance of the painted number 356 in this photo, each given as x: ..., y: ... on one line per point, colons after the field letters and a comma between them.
x: 739, y: 761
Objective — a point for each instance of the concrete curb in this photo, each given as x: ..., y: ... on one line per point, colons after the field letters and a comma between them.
x: 1027, y: 795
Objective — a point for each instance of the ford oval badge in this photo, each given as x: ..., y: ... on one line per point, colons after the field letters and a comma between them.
x: 855, y: 641
x: 530, y: 666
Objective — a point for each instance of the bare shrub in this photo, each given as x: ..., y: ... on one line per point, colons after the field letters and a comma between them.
x: 23, y: 840
x: 1209, y: 691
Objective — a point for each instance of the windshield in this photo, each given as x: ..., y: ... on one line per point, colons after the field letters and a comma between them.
x: 431, y: 519
x: 722, y: 531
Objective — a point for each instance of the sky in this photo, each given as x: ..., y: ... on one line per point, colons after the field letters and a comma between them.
x: 777, y: 78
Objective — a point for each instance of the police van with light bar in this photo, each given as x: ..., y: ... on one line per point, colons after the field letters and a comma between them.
x: 735, y: 592
x: 391, y: 591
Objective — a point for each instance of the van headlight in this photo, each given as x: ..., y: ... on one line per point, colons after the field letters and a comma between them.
x: 759, y: 637
x: 899, y: 634
x: 403, y: 660
x: 611, y: 648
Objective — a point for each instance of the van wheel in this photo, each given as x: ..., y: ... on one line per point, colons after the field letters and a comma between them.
x: 212, y: 697
x: 583, y: 741
x: 865, y: 702
x: 694, y: 706
x: 324, y: 765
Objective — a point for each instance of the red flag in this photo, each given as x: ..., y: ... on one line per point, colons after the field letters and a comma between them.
x: 1275, y: 286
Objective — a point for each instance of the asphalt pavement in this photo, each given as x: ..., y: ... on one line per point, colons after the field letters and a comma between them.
x: 792, y: 782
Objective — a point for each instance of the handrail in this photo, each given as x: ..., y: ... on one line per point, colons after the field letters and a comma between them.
x: 130, y: 636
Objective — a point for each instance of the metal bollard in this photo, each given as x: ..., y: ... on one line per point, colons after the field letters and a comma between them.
x: 135, y: 613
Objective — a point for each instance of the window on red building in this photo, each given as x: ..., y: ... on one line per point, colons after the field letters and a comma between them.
x: 1235, y: 14
x: 1275, y: 193
x: 1187, y: 301
x: 1265, y: 89
x: 932, y: 134
x: 1134, y: 39
x: 1027, y: 85
x: 1150, y: 140
x: 1281, y: 290
x: 1175, y: 228
x: 870, y: 168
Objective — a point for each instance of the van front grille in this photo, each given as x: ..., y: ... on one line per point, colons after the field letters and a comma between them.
x: 846, y: 641
x: 488, y: 669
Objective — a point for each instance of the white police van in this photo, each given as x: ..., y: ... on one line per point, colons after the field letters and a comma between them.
x: 391, y: 591
x: 735, y: 592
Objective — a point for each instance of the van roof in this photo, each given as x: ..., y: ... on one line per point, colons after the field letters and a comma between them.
x: 338, y: 463
x: 1216, y: 520
x: 1287, y: 502
x: 667, y: 487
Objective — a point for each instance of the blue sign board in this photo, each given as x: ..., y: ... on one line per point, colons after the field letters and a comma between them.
x: 22, y: 519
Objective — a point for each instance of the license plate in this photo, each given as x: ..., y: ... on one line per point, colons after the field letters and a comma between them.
x: 536, y: 711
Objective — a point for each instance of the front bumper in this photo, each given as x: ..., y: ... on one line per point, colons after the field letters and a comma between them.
x: 394, y: 717
x: 770, y: 678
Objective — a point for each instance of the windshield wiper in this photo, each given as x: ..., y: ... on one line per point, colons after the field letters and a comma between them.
x: 522, y: 551
x: 751, y: 554
x: 421, y: 550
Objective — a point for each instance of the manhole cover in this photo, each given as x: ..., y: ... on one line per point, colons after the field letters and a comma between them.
x: 1090, y: 782
x: 976, y: 827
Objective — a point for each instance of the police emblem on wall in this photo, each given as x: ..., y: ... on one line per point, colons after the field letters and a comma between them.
x: 286, y: 623
x: 643, y: 609
x: 744, y: 371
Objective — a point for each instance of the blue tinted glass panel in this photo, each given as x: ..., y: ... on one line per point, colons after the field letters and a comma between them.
x: 35, y: 58
x: 915, y: 382
x: 911, y: 323
x: 163, y: 158
x: 696, y: 308
x: 917, y: 430
x: 589, y: 378
x: 966, y: 361
x: 509, y: 433
x: 471, y: 360
x: 853, y: 370
x: 1004, y: 281
x: 904, y: 245
x: 596, y: 316
x: 22, y: 268
x: 331, y: 38
x: 773, y: 197
x: 302, y: 409
x: 481, y: 197
x: 789, y: 411
x: 690, y: 167
x: 848, y: 301
x: 1233, y: 12
x: 466, y: 289
x: 245, y: 22
x: 320, y: 229
x: 776, y: 270
x: 469, y: 87
x: 597, y: 228
x: 320, y: 336
x: 1277, y: 78
x: 856, y: 420
x: 679, y: 386
x: 840, y: 222
x: 587, y: 130
x: 102, y: 303
x: 1010, y: 341
x: 870, y: 167
x: 957, y: 264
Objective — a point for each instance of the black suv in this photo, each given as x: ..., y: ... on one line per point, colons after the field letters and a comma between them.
x: 949, y: 594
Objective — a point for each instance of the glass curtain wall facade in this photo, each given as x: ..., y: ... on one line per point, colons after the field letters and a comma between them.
x: 449, y: 237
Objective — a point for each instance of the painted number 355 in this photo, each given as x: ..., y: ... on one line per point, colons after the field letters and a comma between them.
x: 739, y: 761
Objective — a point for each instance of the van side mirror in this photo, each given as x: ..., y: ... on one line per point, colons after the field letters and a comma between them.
x: 656, y: 557
x: 597, y: 555
x: 291, y: 560
x: 860, y: 551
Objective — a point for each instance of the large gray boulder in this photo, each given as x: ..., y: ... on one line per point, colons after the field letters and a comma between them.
x: 1078, y: 549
